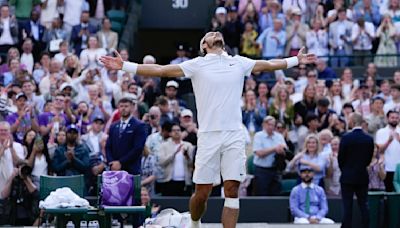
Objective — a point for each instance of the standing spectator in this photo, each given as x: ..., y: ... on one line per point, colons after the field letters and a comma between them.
x: 72, y: 12
x: 355, y: 146
x: 35, y: 31
x: 9, y: 33
x: 232, y: 30
x: 36, y: 101
x: 282, y: 108
x: 71, y: 158
x: 295, y: 33
x: 288, y: 6
x: 308, y: 202
x: 394, y: 104
x: 56, y: 118
x: 153, y: 120
x: 176, y: 158
x: 361, y: 100
x: 335, y: 97
x: 272, y: 40
x: 188, y: 127
x: 27, y: 57
x: 64, y: 53
x: 363, y: 33
x: 81, y: 32
x: 269, y: 13
x: 262, y: 102
x: 376, y: 172
x: 340, y: 40
x: 267, y: 143
x: 348, y: 84
x: 219, y: 20
x: 317, y: 39
x: 388, y: 141
x: 55, y: 35
x: 49, y: 11
x: 386, y: 33
x: 385, y: 90
x: 251, y: 116
x: 126, y: 140
x: 23, y: 8
x: 89, y: 56
x: 248, y: 42
x: 325, y: 72
x: 107, y: 38
x: 245, y: 4
x: 376, y: 119
x: 308, y: 104
x: 98, y: 105
x: 325, y: 115
x: 166, y: 115
x: 149, y: 171
x: 39, y: 159
x: 368, y: 11
x: 332, y: 180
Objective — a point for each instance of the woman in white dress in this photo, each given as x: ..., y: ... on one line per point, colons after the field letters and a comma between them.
x: 89, y: 57
x: 39, y: 159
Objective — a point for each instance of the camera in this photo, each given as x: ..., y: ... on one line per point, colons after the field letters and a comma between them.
x: 153, y: 117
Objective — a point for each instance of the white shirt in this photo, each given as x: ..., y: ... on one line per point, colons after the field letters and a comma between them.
x: 73, y: 11
x: 363, y: 41
x: 40, y: 166
x: 95, y: 142
x: 218, y: 83
x: 178, y: 173
x: 27, y: 60
x: 90, y: 57
x: 392, y: 152
x: 6, y: 37
x: 35, y: 30
x: 6, y: 164
x: 60, y: 57
x: 49, y: 13
x: 391, y: 105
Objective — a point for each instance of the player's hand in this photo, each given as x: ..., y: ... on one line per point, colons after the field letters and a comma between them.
x: 112, y: 63
x: 306, y: 58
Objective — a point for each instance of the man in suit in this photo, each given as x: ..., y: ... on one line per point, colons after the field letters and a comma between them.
x: 35, y: 31
x: 355, y: 154
x: 81, y: 32
x: 126, y: 140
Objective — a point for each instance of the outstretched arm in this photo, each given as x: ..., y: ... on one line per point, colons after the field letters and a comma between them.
x: 154, y: 70
x: 280, y: 64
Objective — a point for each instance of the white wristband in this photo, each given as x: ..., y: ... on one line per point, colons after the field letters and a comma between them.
x: 129, y: 67
x: 291, y: 62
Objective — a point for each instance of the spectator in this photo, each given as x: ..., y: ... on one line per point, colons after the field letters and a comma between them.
x: 35, y: 31
x: 73, y: 10
x: 376, y: 172
x: 267, y: 143
x: 56, y: 118
x: 325, y: 138
x: 64, y: 53
x: 384, y: 89
x: 188, y: 127
x: 332, y: 180
x: 14, y: 69
x: 288, y: 6
x: 368, y: 11
x: 166, y: 115
x: 295, y: 33
x: 249, y: 46
x: 298, y: 133
x: 317, y: 39
x: 126, y: 140
x: 49, y: 11
x: 269, y: 13
x: 308, y: 104
x: 23, y: 8
x: 376, y: 119
x: 81, y: 32
x: 175, y: 104
x: 348, y: 84
x: 29, y: 139
x: 153, y: 120
x: 39, y: 159
x: 325, y: 72
x: 9, y: 32
x: 151, y: 209
x: 325, y: 115
x: 282, y: 108
x: 23, y: 119
x: 251, y: 116
x: 392, y: 9
x: 272, y: 41
x: 89, y: 57
x: 388, y: 142
x: 363, y: 33
x: 301, y: 78
x: 340, y: 39
x: 387, y: 46
x: 361, y: 101
x: 33, y: 100
x: 371, y: 71
x: 55, y: 35
x: 48, y: 83
x: 27, y: 58
x: 244, y: 5
x: 108, y: 39
x: 71, y: 158
x: 262, y: 102
x: 355, y: 146
x: 149, y: 171
x: 282, y: 129
x: 176, y: 158
x: 219, y: 20
x: 42, y: 68
x: 98, y: 105
x: 394, y: 104
x: 335, y: 97
x: 332, y: 14
x: 56, y: 140
x: 308, y: 202
x: 232, y: 30
x: 396, y: 77
x: 311, y: 156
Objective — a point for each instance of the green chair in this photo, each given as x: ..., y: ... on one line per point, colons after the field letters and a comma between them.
x: 51, y: 183
x: 375, y: 203
x: 396, y: 179
x: 287, y: 186
x: 250, y: 164
x: 117, y: 15
x: 116, y: 27
x: 393, y: 202
x: 109, y: 210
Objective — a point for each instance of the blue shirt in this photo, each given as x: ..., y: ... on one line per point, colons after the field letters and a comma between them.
x: 262, y: 141
x: 318, y: 202
x: 270, y: 46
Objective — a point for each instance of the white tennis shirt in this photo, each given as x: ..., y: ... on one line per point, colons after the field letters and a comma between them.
x: 218, y: 84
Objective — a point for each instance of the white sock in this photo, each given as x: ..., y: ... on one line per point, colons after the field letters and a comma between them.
x: 195, y: 224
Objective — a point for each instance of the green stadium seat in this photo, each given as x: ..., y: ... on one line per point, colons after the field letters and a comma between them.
x: 375, y: 203
x: 117, y: 15
x: 287, y: 186
x: 51, y: 183
x: 393, y: 202
x: 396, y: 179
x: 116, y: 27
x: 250, y: 165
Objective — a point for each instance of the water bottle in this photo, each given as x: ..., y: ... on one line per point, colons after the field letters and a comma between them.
x: 70, y: 224
x: 93, y: 224
x: 83, y: 224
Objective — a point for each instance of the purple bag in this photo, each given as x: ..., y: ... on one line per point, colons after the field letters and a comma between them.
x: 117, y: 188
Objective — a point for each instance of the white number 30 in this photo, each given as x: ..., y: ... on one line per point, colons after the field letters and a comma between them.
x: 180, y: 4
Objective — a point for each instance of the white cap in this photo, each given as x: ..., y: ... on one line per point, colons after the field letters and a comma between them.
x: 173, y: 84
x: 220, y: 10
x: 186, y: 112
x: 131, y: 97
x: 149, y: 59
x: 296, y: 11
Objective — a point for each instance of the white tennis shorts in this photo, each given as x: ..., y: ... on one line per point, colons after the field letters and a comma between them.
x: 220, y: 153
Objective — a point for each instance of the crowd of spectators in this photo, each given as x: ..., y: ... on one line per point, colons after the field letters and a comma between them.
x: 62, y: 113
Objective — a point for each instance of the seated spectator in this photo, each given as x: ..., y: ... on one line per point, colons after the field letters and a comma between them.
x: 377, y: 172
x: 29, y: 88
x: 384, y: 91
x: 166, y: 115
x: 42, y: 68
x: 309, y: 103
x: 298, y: 133
x: 81, y: 32
x: 325, y: 115
x: 72, y: 66
x: 56, y: 140
x: 282, y: 129
x: 348, y: 84
x: 27, y: 56
x: 262, y: 102
x: 295, y: 33
x: 335, y: 96
x: 175, y: 104
x: 151, y: 209
x: 288, y: 6
x: 272, y: 41
x: 311, y: 156
x: 188, y: 127
x: 361, y: 100
x: 232, y: 30
x: 176, y: 159
x: 98, y: 105
x: 332, y: 179
x: 149, y: 171
x: 269, y: 13
x: 29, y: 140
x: 90, y: 55
x: 64, y: 53
x: 376, y: 119
x: 245, y: 4
x: 71, y: 158
x: 48, y: 82
x: 325, y: 137
x: 107, y: 38
x: 387, y: 46
x: 248, y: 42
x: 251, y: 116
x: 39, y: 160
x: 308, y: 202
x: 9, y: 76
x: 9, y: 33
x: 394, y: 104
x: 282, y: 108
x: 325, y: 72
x: 317, y: 39
x: 82, y: 116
